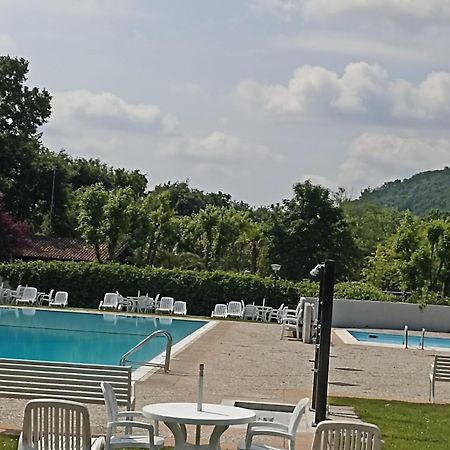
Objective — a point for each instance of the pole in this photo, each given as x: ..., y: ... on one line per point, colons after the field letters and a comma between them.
x: 325, y: 339
x: 317, y: 346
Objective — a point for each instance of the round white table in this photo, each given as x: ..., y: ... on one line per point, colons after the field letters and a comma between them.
x: 177, y: 415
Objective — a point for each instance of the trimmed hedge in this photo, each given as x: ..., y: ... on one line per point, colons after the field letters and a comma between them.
x: 88, y: 282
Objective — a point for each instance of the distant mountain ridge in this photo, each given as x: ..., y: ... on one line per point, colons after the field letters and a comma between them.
x: 419, y: 194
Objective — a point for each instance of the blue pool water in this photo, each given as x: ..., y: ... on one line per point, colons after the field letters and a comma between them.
x: 82, y: 337
x: 397, y: 339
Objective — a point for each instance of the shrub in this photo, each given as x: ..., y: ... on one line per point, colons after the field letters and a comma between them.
x: 87, y: 283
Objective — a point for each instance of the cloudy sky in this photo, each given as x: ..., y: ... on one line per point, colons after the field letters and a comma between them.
x: 243, y: 96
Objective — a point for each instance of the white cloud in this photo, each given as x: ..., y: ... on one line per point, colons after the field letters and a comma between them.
x: 218, y: 148
x: 374, y: 158
x: 361, y: 89
x: 410, y: 50
x: 429, y: 10
x: 109, y: 111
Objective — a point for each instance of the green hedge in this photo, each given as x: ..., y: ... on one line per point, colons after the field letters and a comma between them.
x: 88, y: 282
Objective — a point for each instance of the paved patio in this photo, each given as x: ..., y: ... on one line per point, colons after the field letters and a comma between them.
x: 247, y: 360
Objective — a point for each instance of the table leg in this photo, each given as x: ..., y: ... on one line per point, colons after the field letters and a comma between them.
x: 179, y: 433
x: 214, y: 440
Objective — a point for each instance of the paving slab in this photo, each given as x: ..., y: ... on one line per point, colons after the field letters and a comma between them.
x: 249, y: 361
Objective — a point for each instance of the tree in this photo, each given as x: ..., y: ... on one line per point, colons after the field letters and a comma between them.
x: 307, y: 229
x: 91, y: 202
x: 22, y: 109
x: 13, y: 234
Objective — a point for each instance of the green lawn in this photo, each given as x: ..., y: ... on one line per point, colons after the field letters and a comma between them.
x: 404, y: 426
x: 8, y: 443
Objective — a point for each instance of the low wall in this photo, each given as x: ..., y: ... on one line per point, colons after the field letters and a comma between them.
x: 390, y: 315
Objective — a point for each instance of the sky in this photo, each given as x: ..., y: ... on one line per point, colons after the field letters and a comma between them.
x: 247, y: 97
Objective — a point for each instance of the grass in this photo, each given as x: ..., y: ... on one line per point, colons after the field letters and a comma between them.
x: 404, y: 426
x: 8, y: 443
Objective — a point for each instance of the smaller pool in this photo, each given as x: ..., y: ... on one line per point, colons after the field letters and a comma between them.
x: 398, y: 339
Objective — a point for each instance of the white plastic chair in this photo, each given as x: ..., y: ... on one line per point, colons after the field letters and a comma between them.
x: 250, y: 312
x: 276, y: 314
x: 123, y: 419
x: 165, y: 305
x: 110, y: 301
x: 61, y: 299
x: 276, y: 429
x: 48, y: 298
x: 291, y: 323
x: 145, y: 304
x: 180, y: 308
x: 331, y: 435
x: 235, y: 310
x: 56, y: 425
x: 29, y: 296
x: 220, y: 311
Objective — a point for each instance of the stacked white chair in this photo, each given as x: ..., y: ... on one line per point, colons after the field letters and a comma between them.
x: 235, y: 310
x: 61, y: 299
x: 28, y: 297
x: 165, y: 305
x: 180, y: 308
x: 110, y: 302
x: 220, y: 311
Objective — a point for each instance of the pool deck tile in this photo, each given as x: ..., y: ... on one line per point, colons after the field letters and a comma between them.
x: 248, y: 361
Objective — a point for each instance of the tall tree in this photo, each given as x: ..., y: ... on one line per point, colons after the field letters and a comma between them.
x: 22, y: 110
x: 307, y: 229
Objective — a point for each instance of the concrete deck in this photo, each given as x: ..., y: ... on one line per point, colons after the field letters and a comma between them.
x: 247, y: 360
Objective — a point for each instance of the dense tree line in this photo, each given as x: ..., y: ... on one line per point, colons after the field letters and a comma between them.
x: 174, y: 225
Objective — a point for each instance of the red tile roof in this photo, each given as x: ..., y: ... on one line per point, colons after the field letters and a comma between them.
x: 66, y: 249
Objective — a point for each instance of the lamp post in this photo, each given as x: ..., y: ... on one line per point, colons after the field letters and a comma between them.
x: 276, y: 268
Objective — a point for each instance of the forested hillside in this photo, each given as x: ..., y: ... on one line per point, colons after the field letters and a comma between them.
x: 419, y: 194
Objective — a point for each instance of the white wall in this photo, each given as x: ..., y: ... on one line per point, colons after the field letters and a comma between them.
x: 390, y: 315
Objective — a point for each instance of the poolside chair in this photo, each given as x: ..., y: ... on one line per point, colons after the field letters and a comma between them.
x: 16, y: 293
x: 275, y: 429
x: 56, y: 425
x: 220, y: 311
x: 276, y: 314
x: 124, y: 419
x: 294, y: 324
x: 165, y: 305
x: 180, y: 308
x: 110, y: 302
x: 235, y: 310
x: 250, y: 312
x: 144, y: 304
x: 45, y: 297
x: 29, y: 296
x: 332, y: 435
x: 61, y: 299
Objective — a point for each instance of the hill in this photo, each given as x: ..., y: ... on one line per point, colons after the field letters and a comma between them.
x: 419, y: 194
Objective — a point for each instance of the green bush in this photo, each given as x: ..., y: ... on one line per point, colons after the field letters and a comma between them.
x: 88, y: 282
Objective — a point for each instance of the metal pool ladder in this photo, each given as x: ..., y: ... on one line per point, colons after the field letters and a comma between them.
x: 156, y: 333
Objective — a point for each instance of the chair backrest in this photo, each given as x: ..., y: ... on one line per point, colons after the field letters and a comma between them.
x: 280, y: 312
x: 220, y: 310
x: 19, y: 290
x: 29, y: 293
x: 111, y: 299
x: 331, y: 435
x: 61, y: 298
x: 251, y: 311
x: 144, y: 301
x: 55, y: 425
x: 166, y: 303
x: 297, y: 415
x: 110, y: 401
x: 179, y: 307
x: 234, y: 307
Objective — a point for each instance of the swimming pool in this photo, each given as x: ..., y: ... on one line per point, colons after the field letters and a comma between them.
x: 41, y: 335
x: 414, y: 340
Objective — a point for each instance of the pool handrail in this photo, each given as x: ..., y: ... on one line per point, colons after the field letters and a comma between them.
x: 138, y: 346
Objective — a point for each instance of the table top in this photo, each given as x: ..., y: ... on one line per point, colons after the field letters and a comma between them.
x: 211, y: 414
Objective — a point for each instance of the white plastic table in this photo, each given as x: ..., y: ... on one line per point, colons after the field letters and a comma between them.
x: 177, y: 415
